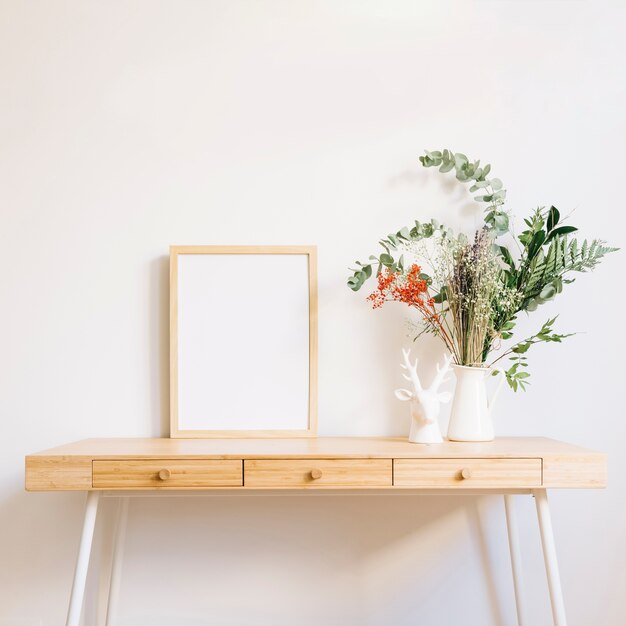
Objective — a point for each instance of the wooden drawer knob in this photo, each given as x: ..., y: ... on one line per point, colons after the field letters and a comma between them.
x: 316, y: 473
x: 164, y: 474
x: 466, y: 473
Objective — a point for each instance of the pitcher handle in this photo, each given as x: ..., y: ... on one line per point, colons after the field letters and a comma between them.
x: 494, y: 397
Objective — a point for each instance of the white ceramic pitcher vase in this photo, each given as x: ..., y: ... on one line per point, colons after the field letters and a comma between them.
x: 470, y: 417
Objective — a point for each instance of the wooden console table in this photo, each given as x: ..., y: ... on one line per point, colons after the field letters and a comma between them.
x: 508, y: 466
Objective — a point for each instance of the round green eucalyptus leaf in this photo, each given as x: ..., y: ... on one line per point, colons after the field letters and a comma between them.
x: 548, y: 292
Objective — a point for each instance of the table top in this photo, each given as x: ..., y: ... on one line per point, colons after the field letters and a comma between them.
x: 312, y: 447
x: 70, y: 466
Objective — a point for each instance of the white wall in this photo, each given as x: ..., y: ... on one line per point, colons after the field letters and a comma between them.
x: 129, y: 126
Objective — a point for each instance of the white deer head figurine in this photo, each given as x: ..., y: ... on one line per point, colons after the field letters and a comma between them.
x: 425, y: 403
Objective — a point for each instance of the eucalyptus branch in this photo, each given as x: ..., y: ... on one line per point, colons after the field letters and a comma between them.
x: 493, y: 193
x: 393, y: 243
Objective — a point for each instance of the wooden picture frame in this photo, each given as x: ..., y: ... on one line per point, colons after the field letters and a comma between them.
x: 206, y: 341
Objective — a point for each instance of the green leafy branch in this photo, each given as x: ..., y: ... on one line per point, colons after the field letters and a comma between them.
x: 548, y: 255
x: 490, y: 189
x: 516, y: 376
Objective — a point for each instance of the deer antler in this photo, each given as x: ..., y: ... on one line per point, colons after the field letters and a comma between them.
x: 412, y: 371
x: 440, y: 377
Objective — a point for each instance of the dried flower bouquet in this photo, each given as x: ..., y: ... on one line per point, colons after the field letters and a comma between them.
x: 468, y: 293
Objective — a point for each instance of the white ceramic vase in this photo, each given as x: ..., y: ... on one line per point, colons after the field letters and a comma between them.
x: 470, y: 416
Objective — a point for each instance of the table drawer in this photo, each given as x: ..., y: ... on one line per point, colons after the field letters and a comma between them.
x: 316, y: 473
x: 167, y: 474
x: 467, y: 473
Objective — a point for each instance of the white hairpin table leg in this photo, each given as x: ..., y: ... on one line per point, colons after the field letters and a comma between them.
x: 549, y: 555
x: 82, y: 562
x: 516, y: 561
x: 116, y: 564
